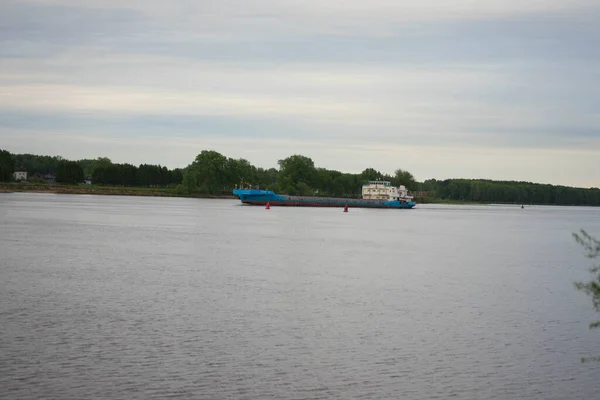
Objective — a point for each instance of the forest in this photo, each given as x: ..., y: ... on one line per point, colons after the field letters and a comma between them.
x: 489, y: 191
x: 101, y: 171
x: 212, y: 173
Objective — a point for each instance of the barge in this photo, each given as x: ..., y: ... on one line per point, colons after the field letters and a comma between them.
x: 375, y: 194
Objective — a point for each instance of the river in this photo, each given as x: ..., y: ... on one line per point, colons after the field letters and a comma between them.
x: 149, y: 298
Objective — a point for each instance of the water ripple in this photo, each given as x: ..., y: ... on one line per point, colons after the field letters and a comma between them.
x: 126, y: 298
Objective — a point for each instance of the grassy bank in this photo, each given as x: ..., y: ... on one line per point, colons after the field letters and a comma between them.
x: 431, y: 200
x: 100, y: 190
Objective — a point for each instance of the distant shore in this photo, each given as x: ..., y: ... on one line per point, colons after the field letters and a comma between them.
x: 159, y: 192
x: 139, y: 191
x: 103, y: 190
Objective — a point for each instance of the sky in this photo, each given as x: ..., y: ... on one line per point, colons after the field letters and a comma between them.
x: 444, y: 89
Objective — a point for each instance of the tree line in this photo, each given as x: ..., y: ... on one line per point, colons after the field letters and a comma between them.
x: 481, y: 190
x: 213, y: 173
x: 129, y: 175
x: 100, y: 170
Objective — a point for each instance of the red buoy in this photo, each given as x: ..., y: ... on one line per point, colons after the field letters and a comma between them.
x: 346, y: 208
x: 268, y: 207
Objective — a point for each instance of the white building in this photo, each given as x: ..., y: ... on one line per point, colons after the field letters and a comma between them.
x: 384, y: 190
x: 20, y: 176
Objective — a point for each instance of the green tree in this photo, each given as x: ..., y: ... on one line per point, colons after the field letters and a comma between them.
x: 324, y: 182
x: 69, y: 172
x: 99, y: 176
x: 511, y: 192
x: 189, y: 184
x: 90, y: 165
x: 128, y: 174
x: 370, y: 174
x: 176, y: 176
x: 207, y: 174
x: 35, y: 164
x: 405, y: 178
x: 240, y: 170
x: 294, y: 170
x: 299, y: 168
x: 592, y: 287
x: 7, y: 166
x: 267, y: 178
x: 148, y: 175
x: 347, y: 185
x: 303, y: 189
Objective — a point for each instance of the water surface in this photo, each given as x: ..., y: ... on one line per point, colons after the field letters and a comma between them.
x: 143, y: 298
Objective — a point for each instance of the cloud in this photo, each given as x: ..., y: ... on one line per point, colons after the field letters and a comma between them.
x: 268, y: 30
x: 383, y: 78
x: 474, y: 104
x: 234, y: 18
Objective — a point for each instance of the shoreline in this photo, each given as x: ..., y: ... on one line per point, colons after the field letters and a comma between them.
x: 157, y: 192
x: 105, y: 191
x: 137, y: 191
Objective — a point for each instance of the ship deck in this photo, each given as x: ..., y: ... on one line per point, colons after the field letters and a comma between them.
x: 338, y: 200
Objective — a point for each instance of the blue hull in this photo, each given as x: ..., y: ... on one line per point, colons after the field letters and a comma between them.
x: 262, y: 197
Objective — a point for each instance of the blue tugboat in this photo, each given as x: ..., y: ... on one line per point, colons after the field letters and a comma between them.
x: 375, y: 194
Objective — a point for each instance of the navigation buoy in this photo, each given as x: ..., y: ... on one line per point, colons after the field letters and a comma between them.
x: 346, y: 208
x: 268, y: 207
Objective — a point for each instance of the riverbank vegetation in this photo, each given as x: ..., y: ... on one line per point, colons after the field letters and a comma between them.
x: 11, y: 187
x: 591, y: 288
x: 213, y: 174
x: 488, y: 191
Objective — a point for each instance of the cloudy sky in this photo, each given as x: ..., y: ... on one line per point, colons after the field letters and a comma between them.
x: 497, y: 89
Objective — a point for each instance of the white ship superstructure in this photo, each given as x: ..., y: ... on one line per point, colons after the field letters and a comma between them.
x: 384, y: 190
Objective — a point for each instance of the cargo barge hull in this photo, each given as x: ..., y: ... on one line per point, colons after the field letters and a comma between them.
x: 263, y: 197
